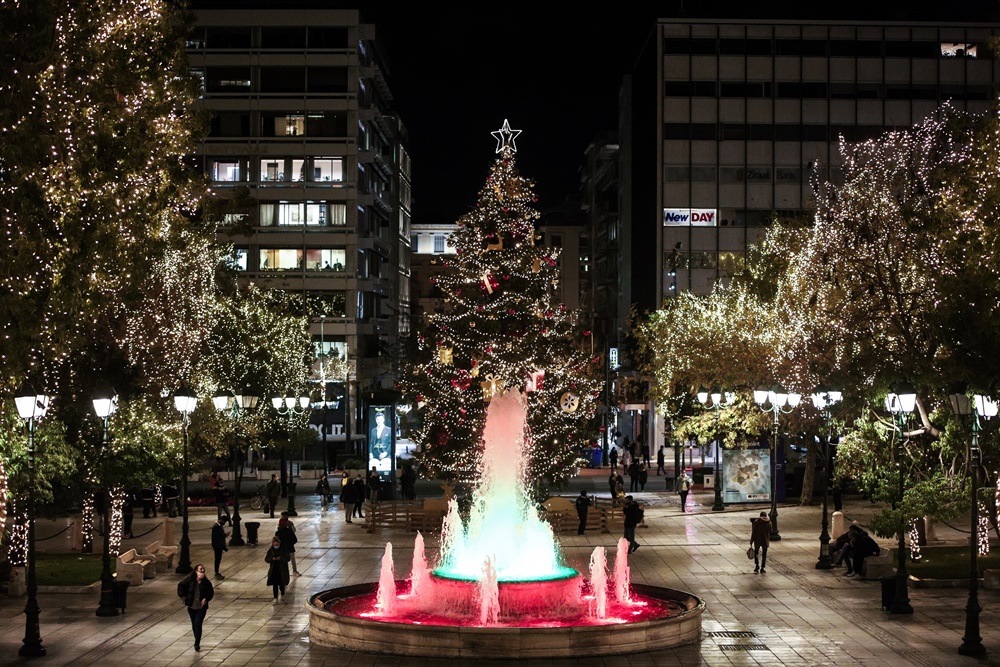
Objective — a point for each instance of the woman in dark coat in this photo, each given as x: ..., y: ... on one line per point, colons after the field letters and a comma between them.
x: 277, y: 573
x: 197, y: 592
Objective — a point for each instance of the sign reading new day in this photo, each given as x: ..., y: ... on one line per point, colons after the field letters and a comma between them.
x: 696, y: 217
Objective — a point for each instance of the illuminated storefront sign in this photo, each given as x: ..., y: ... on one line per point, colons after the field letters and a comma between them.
x: 695, y: 217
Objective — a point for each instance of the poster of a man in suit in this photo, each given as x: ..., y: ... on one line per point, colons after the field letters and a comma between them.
x: 380, y: 440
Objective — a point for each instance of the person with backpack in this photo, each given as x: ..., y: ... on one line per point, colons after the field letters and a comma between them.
x: 286, y: 532
x: 196, y: 591
x: 633, y: 517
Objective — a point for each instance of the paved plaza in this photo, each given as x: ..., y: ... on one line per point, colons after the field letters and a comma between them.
x: 793, y: 615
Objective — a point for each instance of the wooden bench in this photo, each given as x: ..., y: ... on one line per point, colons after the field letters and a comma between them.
x: 164, y: 555
x: 133, y: 568
x: 393, y: 513
x: 878, y: 567
x: 604, y: 515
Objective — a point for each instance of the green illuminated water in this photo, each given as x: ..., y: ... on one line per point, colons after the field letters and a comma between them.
x: 503, y: 523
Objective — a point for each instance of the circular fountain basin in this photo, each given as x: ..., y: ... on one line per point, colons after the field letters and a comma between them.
x: 540, y: 598
x: 657, y: 618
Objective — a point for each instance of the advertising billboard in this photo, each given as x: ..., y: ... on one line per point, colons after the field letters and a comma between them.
x: 381, y: 439
x: 746, y: 476
x: 695, y: 217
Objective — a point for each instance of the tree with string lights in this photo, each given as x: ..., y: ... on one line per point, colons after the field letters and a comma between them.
x: 502, y: 328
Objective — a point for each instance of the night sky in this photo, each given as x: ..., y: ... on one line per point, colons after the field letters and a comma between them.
x: 553, y: 69
x: 554, y: 74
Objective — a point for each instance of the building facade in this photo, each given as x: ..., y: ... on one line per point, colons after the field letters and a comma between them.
x: 306, y: 148
x: 750, y: 111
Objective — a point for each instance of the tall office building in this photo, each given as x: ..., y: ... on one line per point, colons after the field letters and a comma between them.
x: 305, y: 143
x: 725, y: 120
x: 749, y: 109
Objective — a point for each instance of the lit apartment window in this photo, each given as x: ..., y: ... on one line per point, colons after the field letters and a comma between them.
x: 290, y: 126
x: 225, y: 170
x: 439, y: 243
x: 958, y: 50
x: 325, y: 259
x: 272, y: 170
x: 327, y: 169
x: 298, y: 170
x: 298, y: 214
x: 238, y: 260
x: 280, y: 259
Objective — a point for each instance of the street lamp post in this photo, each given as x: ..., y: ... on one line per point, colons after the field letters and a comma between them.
x: 823, y: 399
x: 105, y: 403
x: 717, y: 404
x: 31, y: 407
x: 777, y: 398
x: 290, y: 406
x: 901, y: 403
x: 185, y: 401
x: 972, y: 642
x: 234, y: 406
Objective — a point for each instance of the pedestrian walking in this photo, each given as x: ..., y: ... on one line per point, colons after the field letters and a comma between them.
x: 347, y: 498
x: 359, y: 496
x: 643, y: 477
x: 661, y: 458
x: 613, y: 457
x: 222, y: 501
x: 277, y: 571
x: 633, y: 476
x: 323, y: 491
x: 219, y: 536
x: 645, y: 451
x: 760, y: 539
x: 633, y: 517
x: 684, y: 487
x: 286, y: 532
x: 196, y: 591
x: 582, y: 506
x: 273, y: 491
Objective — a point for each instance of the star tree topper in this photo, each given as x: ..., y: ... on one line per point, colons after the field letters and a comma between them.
x: 505, y: 136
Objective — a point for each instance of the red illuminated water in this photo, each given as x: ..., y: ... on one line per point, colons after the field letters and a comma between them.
x: 641, y: 608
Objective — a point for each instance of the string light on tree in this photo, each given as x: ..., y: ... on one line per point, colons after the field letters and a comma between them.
x: 503, y: 326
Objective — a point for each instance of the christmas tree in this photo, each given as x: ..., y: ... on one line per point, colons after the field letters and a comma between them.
x: 502, y: 329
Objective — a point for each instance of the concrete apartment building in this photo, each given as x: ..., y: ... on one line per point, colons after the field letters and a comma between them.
x: 304, y: 140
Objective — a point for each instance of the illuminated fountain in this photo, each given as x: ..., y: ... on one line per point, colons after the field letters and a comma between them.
x: 500, y: 587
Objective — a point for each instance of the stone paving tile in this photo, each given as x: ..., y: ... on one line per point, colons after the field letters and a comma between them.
x: 799, y: 615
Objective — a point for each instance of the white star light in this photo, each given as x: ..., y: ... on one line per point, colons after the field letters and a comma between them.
x: 506, y: 136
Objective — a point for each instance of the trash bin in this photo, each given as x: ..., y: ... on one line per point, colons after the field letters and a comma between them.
x: 252, y: 527
x: 596, y: 458
x: 888, y: 592
x: 119, y: 594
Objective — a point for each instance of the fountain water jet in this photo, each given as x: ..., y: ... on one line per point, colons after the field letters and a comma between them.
x: 599, y: 581
x: 623, y: 574
x: 419, y: 572
x: 386, y: 596
x: 523, y: 603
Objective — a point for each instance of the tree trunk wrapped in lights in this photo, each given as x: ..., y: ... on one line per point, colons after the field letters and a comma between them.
x: 502, y: 327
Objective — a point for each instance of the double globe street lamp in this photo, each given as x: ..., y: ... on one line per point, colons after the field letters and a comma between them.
x: 233, y: 407
x: 716, y: 395
x: 185, y: 401
x: 823, y: 399
x: 31, y: 407
x: 290, y: 406
x: 777, y: 398
x: 900, y: 404
x: 979, y: 406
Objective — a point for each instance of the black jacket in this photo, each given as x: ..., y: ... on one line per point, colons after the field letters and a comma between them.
x: 218, y: 537
x: 191, y: 589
